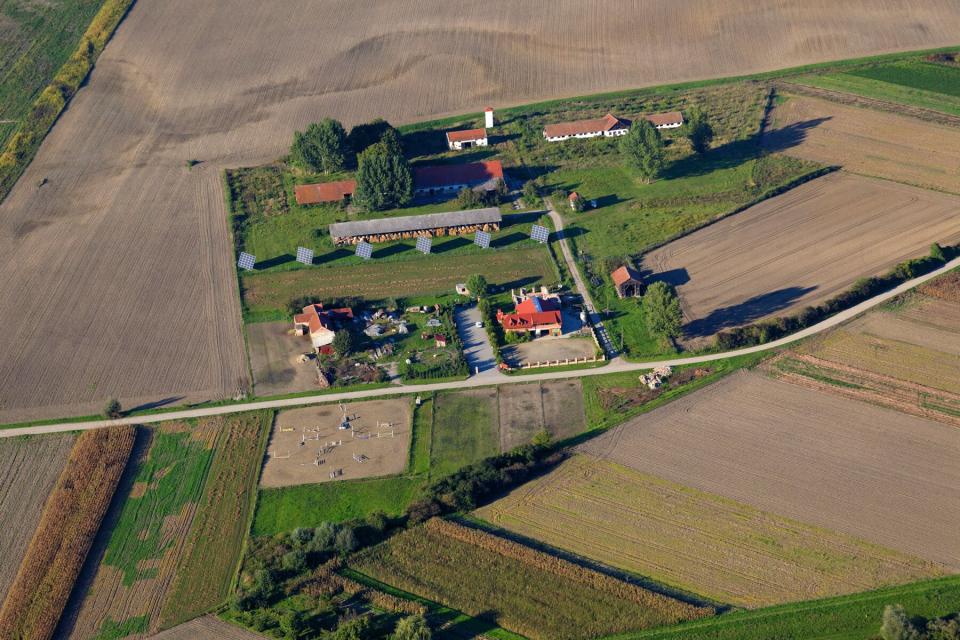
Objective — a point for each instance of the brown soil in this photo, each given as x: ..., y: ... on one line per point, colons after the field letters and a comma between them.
x: 136, y: 246
x: 273, y: 359
x: 870, y: 142
x: 207, y: 628
x: 830, y: 461
x: 29, y: 469
x: 317, y: 426
x: 526, y: 409
x: 801, y: 248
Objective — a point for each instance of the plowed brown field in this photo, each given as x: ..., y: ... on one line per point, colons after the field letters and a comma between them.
x: 207, y: 628
x: 28, y: 470
x: 802, y: 248
x: 870, y: 142
x: 117, y: 275
x: 830, y: 461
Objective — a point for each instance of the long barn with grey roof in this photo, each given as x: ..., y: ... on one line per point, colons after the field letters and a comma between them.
x: 451, y: 223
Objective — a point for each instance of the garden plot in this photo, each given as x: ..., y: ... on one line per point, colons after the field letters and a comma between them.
x: 801, y: 248
x: 377, y: 443
x: 692, y: 540
x: 870, y: 472
x: 526, y: 409
x: 868, y: 142
x: 29, y: 468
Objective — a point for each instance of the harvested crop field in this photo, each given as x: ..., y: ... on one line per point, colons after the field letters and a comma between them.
x: 376, y: 281
x: 868, y: 142
x: 207, y: 628
x: 136, y: 245
x: 29, y: 468
x: 526, y: 409
x: 845, y: 465
x: 302, y: 437
x: 517, y: 587
x: 692, y: 540
x: 801, y: 248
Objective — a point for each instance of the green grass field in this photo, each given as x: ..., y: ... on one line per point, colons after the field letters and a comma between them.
x: 287, y: 508
x: 267, y: 295
x: 422, y: 438
x: 855, y: 617
x: 912, y: 82
x: 37, y: 38
x: 466, y: 428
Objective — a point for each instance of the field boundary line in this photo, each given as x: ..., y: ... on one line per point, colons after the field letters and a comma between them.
x: 614, y: 367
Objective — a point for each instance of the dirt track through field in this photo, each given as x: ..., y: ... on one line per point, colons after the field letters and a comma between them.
x: 28, y: 470
x: 801, y: 248
x: 870, y: 472
x: 869, y: 142
x: 117, y: 275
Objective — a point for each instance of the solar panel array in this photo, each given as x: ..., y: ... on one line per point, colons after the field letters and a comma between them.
x: 304, y: 255
x: 365, y: 250
x: 540, y: 234
x: 424, y: 244
x: 482, y: 240
x: 246, y: 261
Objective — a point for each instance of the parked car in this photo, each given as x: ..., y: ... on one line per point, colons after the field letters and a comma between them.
x: 478, y: 324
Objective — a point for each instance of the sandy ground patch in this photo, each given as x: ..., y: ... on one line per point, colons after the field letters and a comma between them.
x: 318, y: 426
x: 697, y: 541
x: 868, y: 142
x: 801, y: 248
x: 28, y: 470
x: 547, y: 348
x: 136, y: 247
x: 273, y: 358
x: 207, y: 628
x: 849, y: 466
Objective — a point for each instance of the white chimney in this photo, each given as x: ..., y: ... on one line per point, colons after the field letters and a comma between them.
x: 488, y: 117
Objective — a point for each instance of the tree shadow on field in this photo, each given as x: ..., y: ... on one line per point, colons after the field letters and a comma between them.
x: 84, y: 581
x: 791, y: 135
x: 745, y: 312
x: 156, y: 404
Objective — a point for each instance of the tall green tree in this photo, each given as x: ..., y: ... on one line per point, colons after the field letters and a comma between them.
x: 342, y: 343
x: 642, y: 149
x: 369, y: 133
x: 661, y: 311
x: 321, y: 148
x: 698, y: 130
x: 477, y: 285
x: 384, y: 179
x: 412, y: 628
x: 897, y: 625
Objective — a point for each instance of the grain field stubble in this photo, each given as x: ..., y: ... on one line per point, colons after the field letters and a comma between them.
x: 136, y: 247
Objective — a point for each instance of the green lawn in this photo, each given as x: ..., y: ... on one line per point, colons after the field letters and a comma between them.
x: 854, y: 617
x: 421, y: 441
x: 912, y: 82
x: 36, y: 39
x: 466, y: 429
x: 287, y: 508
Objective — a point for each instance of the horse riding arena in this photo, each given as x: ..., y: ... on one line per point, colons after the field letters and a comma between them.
x: 801, y: 248
x: 307, y: 445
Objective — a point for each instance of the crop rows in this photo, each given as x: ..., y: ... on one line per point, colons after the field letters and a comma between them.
x: 523, y: 590
x: 66, y: 532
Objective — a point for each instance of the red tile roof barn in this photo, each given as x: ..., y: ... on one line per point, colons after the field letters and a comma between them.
x: 608, y: 122
x: 316, y: 317
x: 624, y: 274
x: 444, y: 175
x: 324, y: 192
x: 466, y: 135
x: 664, y: 119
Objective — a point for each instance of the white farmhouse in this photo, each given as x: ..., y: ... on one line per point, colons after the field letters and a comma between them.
x: 608, y: 126
x: 467, y: 138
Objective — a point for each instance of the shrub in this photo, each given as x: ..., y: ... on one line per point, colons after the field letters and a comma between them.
x: 112, y: 409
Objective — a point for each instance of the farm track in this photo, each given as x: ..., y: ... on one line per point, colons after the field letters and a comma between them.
x: 117, y: 274
x: 927, y: 115
x: 619, y: 365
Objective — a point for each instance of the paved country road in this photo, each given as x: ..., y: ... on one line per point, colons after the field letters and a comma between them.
x: 479, y: 381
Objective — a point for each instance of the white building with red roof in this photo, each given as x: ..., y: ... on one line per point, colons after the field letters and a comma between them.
x: 536, y: 313
x: 320, y: 324
x: 608, y: 126
x: 466, y: 138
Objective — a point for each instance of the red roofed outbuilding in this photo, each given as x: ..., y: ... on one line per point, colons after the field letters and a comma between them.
x: 454, y: 177
x: 608, y: 126
x: 467, y: 138
x: 320, y: 324
x: 628, y: 282
x: 322, y: 192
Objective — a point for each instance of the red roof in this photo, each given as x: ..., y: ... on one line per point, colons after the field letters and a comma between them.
x: 466, y: 135
x: 324, y: 191
x: 624, y: 274
x: 660, y: 119
x: 488, y: 109
x: 532, y: 313
x: 317, y: 318
x: 574, y: 196
x: 445, y: 175
x: 608, y: 122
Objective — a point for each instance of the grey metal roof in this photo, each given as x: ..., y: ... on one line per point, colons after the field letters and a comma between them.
x: 415, y: 223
